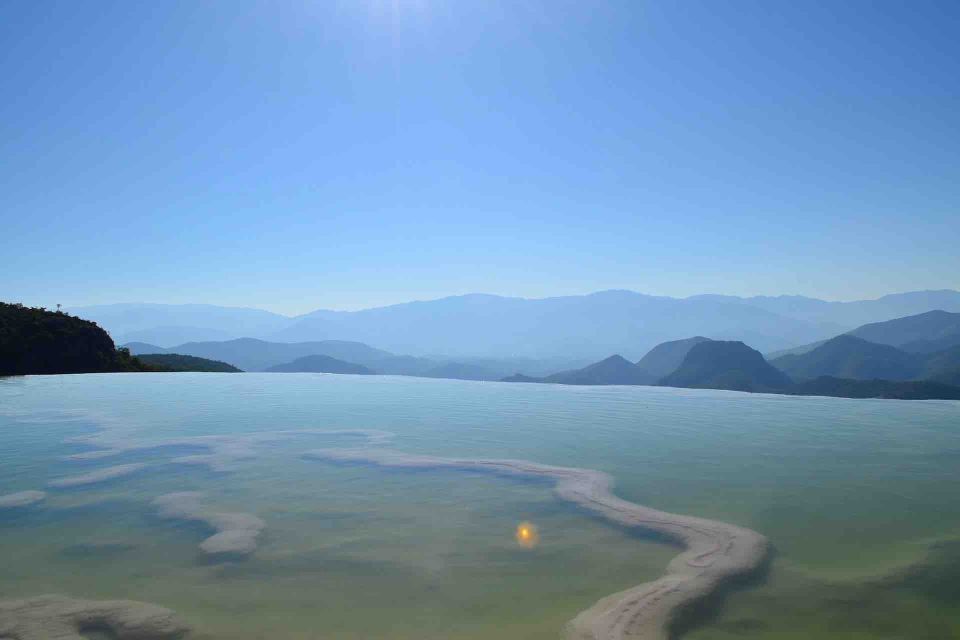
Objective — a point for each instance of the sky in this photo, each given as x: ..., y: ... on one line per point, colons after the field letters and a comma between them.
x: 347, y: 154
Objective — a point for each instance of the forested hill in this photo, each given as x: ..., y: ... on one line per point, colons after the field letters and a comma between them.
x: 179, y: 362
x: 37, y: 341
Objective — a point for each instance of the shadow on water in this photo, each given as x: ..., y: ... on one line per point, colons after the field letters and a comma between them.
x: 707, y: 611
x: 637, y: 533
x: 937, y: 578
x: 919, y: 601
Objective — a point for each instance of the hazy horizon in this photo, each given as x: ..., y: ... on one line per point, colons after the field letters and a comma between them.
x: 306, y: 309
x: 351, y: 155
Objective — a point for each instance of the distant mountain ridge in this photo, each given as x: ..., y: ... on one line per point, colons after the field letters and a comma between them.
x: 251, y: 354
x: 321, y: 364
x: 844, y: 366
x: 847, y: 356
x: 854, y: 313
x: 921, y: 333
x: 34, y: 340
x: 613, y: 370
x: 579, y: 327
x: 171, y: 324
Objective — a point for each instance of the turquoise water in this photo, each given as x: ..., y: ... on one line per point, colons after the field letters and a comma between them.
x: 857, y: 496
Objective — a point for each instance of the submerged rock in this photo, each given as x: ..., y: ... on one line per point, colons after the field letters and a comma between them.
x: 54, y: 617
x: 236, y: 533
x: 21, y: 499
x: 222, y: 452
x: 94, y: 477
x: 714, y: 551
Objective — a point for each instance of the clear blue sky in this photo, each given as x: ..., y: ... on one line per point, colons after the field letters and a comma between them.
x: 351, y: 153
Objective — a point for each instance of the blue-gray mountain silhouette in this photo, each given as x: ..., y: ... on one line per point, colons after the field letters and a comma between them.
x: 321, y: 364
x: 583, y: 327
x: 665, y: 358
x: 732, y: 365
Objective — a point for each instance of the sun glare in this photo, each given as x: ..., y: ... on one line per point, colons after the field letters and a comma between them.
x: 527, y: 535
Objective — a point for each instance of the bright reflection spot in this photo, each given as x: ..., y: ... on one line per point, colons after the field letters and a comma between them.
x: 527, y: 535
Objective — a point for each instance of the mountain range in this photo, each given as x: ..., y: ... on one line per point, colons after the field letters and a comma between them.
x: 846, y: 365
x: 584, y: 327
x: 850, y: 357
x: 921, y: 333
x: 613, y: 370
x: 251, y: 354
x: 914, y: 357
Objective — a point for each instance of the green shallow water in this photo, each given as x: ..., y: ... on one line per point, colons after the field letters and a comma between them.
x: 858, y: 497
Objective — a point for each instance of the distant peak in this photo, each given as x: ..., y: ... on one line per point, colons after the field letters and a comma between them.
x: 615, y: 358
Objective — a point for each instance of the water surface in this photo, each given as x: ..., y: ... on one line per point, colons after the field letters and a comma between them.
x: 857, y: 496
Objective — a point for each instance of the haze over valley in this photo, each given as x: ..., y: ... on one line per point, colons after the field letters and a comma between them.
x: 480, y: 325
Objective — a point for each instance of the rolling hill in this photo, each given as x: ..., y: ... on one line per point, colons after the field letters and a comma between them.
x: 251, y: 354
x: 179, y: 362
x: 665, y: 358
x: 726, y: 365
x: 321, y: 364
x: 922, y: 333
x: 942, y: 366
x: 926, y: 332
x: 613, y: 370
x: 843, y: 366
x: 258, y: 355
x: 847, y: 356
x: 850, y: 357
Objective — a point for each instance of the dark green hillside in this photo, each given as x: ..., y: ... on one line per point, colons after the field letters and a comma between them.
x: 847, y: 356
x: 614, y: 370
x: 899, y: 390
x: 665, y: 358
x: 717, y: 364
x: 37, y: 341
x: 321, y: 364
x: 178, y: 362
